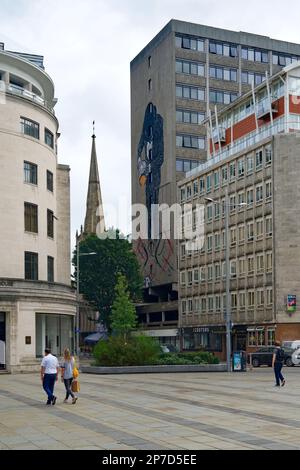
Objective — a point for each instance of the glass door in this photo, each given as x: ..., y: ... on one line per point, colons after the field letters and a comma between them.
x: 2, y: 341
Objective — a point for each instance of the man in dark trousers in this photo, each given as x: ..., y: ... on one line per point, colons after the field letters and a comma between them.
x: 49, y: 375
x: 277, y: 363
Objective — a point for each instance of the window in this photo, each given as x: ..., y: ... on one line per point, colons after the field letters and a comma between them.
x: 258, y: 160
x: 250, y: 197
x: 183, y: 307
x: 222, y: 97
x: 188, y: 191
x: 269, y: 226
x: 50, y: 269
x: 250, y: 231
x: 31, y: 266
x: 241, y: 232
x: 271, y: 336
x: 182, y: 194
x: 234, y: 300
x: 209, y: 212
x: 49, y: 181
x: 268, y: 155
x: 30, y: 173
x: 208, y: 183
x: 242, y: 300
x: 216, y: 179
x: 259, y: 193
x: 241, y: 167
x: 259, y: 228
x: 202, y: 185
x: 251, y: 77
x: 190, y: 305
x: 233, y: 268
x: 202, y: 274
x: 250, y: 264
x: 190, y: 278
x: 189, y: 117
x: 232, y: 203
x: 242, y: 266
x: 209, y: 273
x: 149, y: 84
x: 268, y: 190
x: 259, y: 263
x: 232, y: 171
x: 49, y: 138
x: 233, y: 236
x: 182, y: 278
x: 190, y: 68
x: 190, y: 93
x: 250, y: 298
x: 255, y: 55
x: 283, y: 59
x: 260, y: 298
x: 30, y: 128
x: 31, y: 217
x: 251, y: 337
x: 217, y: 271
x: 196, y: 275
x: 209, y: 243
x: 269, y: 296
x: 269, y: 261
x: 217, y: 211
x: 250, y: 164
x: 182, y: 250
x: 221, y: 73
x: 195, y: 188
x: 190, y: 141
x: 210, y: 304
x: 229, y: 50
x: 149, y: 61
x: 203, y: 305
x: 218, y: 302
x: 196, y: 305
x: 224, y: 174
x: 241, y: 201
x: 192, y: 43
x: 50, y: 223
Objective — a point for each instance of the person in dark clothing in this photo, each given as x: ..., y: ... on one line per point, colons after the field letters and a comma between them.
x: 277, y: 363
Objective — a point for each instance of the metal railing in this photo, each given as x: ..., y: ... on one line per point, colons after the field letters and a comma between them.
x: 22, y: 92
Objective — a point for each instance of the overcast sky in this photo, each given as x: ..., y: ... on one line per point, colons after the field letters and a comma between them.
x: 88, y: 46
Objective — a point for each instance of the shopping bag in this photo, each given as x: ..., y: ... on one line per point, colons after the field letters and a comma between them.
x: 75, y: 386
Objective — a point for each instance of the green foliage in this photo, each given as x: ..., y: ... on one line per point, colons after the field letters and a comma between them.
x: 98, y: 273
x: 138, y: 350
x: 123, y: 316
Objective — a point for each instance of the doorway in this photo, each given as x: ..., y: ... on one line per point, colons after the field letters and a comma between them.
x: 2, y: 341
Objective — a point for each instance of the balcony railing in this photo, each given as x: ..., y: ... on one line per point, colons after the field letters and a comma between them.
x: 22, y: 92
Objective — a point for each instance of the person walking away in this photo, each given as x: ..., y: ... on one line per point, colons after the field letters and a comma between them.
x: 277, y: 363
x: 67, y: 375
x: 49, y: 375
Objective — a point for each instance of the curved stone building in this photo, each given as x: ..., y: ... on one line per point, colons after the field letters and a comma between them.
x: 37, y: 303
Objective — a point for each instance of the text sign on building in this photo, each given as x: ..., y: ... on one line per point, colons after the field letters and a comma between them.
x: 291, y: 303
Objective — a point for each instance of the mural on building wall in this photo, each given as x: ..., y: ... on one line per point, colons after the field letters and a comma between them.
x: 150, y: 157
x: 155, y: 256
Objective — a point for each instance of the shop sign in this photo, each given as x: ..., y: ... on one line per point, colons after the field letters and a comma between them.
x: 200, y: 330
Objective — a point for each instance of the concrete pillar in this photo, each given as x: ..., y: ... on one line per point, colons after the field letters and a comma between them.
x: 28, y: 87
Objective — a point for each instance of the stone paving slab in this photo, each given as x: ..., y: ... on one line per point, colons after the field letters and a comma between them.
x: 189, y: 411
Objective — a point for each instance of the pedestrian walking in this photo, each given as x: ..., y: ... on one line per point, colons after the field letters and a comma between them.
x: 49, y: 375
x: 68, y: 370
x: 277, y: 363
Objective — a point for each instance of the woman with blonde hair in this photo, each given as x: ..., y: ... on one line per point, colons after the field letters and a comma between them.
x: 67, y: 370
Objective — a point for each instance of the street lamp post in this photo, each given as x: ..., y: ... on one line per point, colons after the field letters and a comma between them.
x: 77, y: 290
x: 227, y: 270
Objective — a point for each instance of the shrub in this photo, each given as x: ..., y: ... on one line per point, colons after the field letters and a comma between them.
x: 137, y: 350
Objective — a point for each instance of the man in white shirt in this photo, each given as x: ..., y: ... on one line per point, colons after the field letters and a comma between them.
x: 49, y: 375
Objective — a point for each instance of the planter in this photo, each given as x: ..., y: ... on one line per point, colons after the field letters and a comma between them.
x: 153, y: 369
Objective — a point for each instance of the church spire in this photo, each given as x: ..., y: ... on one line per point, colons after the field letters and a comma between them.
x: 94, y: 218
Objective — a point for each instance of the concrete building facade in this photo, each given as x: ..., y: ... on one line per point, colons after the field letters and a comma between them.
x: 176, y: 81
x: 254, y: 163
x: 37, y: 303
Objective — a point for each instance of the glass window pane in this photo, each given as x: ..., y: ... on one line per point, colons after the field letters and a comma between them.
x: 257, y: 56
x: 178, y: 41
x: 179, y: 165
x: 194, y: 69
x: 219, y: 49
x: 251, y: 54
x: 186, y: 117
x: 178, y: 66
x: 178, y: 91
x: 178, y: 116
x: 200, y: 45
x: 186, y: 165
x: 186, y: 43
x: 186, y: 67
x: 226, y: 50
x: 244, y: 53
x: 193, y: 44
x: 186, y: 92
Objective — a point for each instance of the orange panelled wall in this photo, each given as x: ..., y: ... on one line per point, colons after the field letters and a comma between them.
x: 295, y: 106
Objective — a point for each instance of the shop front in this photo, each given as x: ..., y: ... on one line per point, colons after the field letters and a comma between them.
x: 208, y: 338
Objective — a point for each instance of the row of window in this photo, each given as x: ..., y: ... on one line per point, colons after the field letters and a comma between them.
x: 32, y: 128
x: 31, y: 219
x: 223, y: 73
x: 187, y: 116
x: 31, y: 262
x: 228, y: 173
x: 190, y: 68
x: 246, y: 266
x: 253, y: 77
x: 222, y: 97
x: 184, y: 165
x: 31, y: 175
x: 190, y: 141
x: 231, y: 50
x: 249, y: 299
x: 190, y: 92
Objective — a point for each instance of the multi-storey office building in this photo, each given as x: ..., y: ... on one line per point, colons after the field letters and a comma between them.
x: 254, y: 164
x: 37, y: 304
x: 181, y: 75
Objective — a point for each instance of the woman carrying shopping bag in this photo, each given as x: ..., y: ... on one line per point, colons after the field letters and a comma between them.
x: 68, y: 373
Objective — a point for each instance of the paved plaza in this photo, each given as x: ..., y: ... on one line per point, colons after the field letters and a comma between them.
x: 187, y: 411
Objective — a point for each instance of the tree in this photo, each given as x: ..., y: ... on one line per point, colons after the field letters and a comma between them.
x: 98, y: 273
x: 123, y: 314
